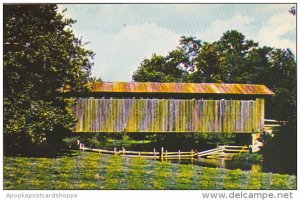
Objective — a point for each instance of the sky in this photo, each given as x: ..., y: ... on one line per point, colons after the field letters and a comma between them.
x: 123, y: 35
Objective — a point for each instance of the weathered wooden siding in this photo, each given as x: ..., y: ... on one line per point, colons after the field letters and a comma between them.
x: 169, y: 115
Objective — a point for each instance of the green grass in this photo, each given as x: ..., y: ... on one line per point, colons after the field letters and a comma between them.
x: 86, y: 170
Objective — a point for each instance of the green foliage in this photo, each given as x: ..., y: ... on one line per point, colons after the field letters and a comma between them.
x: 281, y: 149
x: 172, y: 68
x: 231, y: 59
x: 251, y: 157
x: 156, y: 69
x: 41, y: 57
x: 108, y: 140
x: 84, y: 170
x: 216, y: 138
x: 234, y: 59
x: 224, y: 60
x: 71, y: 142
x: 148, y: 141
x: 95, y: 79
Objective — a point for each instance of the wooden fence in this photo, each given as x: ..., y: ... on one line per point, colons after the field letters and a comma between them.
x: 166, y: 155
x: 123, y: 152
x: 270, y: 124
x: 224, y: 151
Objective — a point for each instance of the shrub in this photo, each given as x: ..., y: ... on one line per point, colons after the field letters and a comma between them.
x: 251, y: 157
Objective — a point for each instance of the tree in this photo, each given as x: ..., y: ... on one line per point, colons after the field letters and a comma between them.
x: 41, y: 57
x: 95, y: 79
x: 189, y: 48
x: 234, y: 59
x: 281, y: 78
x: 231, y: 59
x: 152, y: 70
x: 276, y: 68
x: 208, y: 67
x: 175, y: 67
x: 224, y: 60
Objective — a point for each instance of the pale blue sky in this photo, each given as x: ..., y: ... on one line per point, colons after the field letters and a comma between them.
x: 122, y: 35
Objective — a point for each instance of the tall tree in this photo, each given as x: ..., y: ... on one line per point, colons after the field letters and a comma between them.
x: 208, y: 67
x: 279, y: 74
x: 276, y: 68
x: 175, y: 67
x: 41, y: 56
x: 156, y: 69
x: 224, y: 60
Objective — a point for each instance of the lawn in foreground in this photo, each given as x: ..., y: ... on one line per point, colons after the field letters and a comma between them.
x: 87, y: 170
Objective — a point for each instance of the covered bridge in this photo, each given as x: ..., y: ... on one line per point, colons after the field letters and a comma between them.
x: 171, y: 107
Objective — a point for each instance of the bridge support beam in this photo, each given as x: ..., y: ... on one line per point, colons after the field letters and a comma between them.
x: 256, y: 144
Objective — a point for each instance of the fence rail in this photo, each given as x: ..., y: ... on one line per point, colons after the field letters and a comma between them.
x: 270, y: 124
x: 179, y: 155
x: 123, y: 152
x: 224, y: 151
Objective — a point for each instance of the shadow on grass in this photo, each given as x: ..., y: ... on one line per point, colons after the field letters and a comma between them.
x: 59, y: 154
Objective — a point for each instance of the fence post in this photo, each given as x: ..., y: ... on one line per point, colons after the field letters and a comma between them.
x: 82, y: 147
x: 166, y: 155
x: 154, y: 153
x: 162, y: 153
x: 123, y: 150
x: 179, y: 154
x: 115, y: 151
x: 139, y: 154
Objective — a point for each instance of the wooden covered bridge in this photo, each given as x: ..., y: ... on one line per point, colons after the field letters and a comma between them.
x: 171, y: 107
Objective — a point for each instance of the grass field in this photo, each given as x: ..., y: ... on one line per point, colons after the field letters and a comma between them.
x: 86, y: 170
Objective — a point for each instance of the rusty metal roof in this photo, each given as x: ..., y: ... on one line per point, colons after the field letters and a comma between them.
x: 195, y: 88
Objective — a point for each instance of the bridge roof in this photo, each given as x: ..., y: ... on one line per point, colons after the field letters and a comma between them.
x: 188, y: 88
